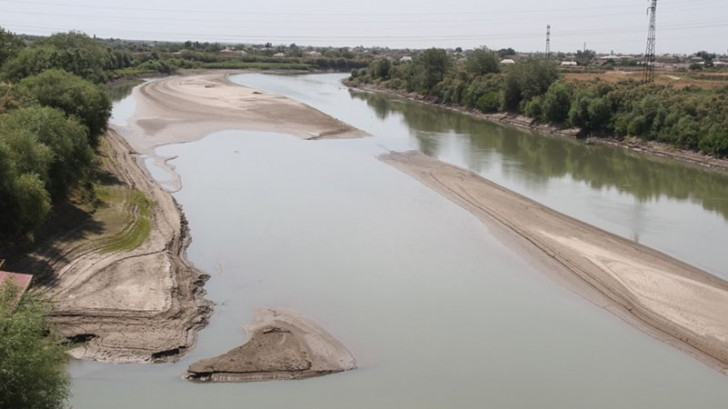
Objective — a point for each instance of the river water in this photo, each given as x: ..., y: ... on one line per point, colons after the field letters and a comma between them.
x: 437, y: 311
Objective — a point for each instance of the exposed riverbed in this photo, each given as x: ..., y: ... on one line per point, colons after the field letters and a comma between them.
x: 437, y: 311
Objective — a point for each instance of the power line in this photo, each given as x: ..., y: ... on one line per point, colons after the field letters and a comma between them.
x: 334, y: 14
x: 649, y: 62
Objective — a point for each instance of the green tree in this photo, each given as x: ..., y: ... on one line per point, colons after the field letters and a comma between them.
x: 506, y: 52
x: 10, y: 45
x: 71, y: 94
x: 380, y: 68
x: 585, y: 57
x: 66, y: 138
x: 557, y: 102
x: 32, y: 363
x: 527, y: 80
x: 431, y: 67
x: 73, y: 52
x: 482, y: 61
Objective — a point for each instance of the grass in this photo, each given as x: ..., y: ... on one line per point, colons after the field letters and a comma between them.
x: 125, y: 214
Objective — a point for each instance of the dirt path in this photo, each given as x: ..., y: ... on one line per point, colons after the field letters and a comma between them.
x: 127, y: 305
x: 679, y: 304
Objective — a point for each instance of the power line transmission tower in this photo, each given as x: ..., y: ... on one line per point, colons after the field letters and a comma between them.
x: 649, y: 74
x: 548, y: 41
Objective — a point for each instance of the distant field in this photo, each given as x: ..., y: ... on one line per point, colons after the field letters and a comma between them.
x: 707, y: 80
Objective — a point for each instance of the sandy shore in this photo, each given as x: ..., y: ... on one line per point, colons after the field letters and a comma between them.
x: 186, y: 108
x: 280, y: 345
x: 677, y: 303
x: 140, y: 305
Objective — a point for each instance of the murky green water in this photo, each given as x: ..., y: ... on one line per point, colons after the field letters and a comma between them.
x: 438, y: 312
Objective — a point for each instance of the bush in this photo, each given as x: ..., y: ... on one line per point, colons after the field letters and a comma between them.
x: 489, y: 102
x: 557, y: 102
x: 32, y: 362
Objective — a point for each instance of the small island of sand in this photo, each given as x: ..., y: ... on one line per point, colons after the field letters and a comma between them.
x: 280, y: 345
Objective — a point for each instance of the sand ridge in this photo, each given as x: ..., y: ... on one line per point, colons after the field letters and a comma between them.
x: 677, y: 303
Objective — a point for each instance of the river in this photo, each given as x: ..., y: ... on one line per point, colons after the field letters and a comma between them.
x: 437, y: 311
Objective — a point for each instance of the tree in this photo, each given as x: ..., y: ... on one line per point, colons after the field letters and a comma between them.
x: 505, y: 52
x: 10, y: 45
x: 431, y: 67
x: 380, y: 68
x: 74, y: 52
x: 527, y: 80
x: 482, y: 61
x: 71, y: 94
x: 585, y: 57
x: 71, y: 156
x: 25, y: 201
x: 32, y: 362
x: 557, y: 102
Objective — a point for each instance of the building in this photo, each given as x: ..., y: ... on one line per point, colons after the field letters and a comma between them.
x: 21, y: 281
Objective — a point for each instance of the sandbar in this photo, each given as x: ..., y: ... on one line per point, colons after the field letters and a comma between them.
x: 672, y: 301
x: 280, y: 345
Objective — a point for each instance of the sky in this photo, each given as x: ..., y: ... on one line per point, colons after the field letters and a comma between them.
x: 683, y: 26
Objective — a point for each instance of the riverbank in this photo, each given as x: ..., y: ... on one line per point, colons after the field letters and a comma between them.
x: 651, y: 148
x: 120, y: 287
x: 672, y: 301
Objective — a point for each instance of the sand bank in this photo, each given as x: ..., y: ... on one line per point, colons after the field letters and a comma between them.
x: 186, y: 108
x: 280, y: 345
x: 677, y: 303
x: 139, y: 305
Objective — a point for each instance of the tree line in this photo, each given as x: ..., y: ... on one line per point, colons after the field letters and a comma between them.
x: 53, y: 111
x: 690, y: 117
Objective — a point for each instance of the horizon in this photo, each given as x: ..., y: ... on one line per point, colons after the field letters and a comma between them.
x: 683, y: 27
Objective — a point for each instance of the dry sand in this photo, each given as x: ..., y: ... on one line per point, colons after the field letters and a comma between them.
x: 677, y: 303
x: 186, y: 108
x: 281, y: 345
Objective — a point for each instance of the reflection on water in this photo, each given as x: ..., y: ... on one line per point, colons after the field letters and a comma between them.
x: 122, y: 89
x: 543, y: 158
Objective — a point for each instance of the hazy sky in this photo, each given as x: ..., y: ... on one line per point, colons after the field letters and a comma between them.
x: 684, y: 26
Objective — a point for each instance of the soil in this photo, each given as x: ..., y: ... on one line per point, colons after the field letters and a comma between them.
x: 144, y: 304
x: 281, y: 345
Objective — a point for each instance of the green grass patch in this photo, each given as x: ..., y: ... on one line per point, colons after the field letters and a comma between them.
x: 126, y: 215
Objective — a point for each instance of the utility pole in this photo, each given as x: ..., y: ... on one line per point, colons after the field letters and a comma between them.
x: 548, y: 41
x: 649, y: 72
